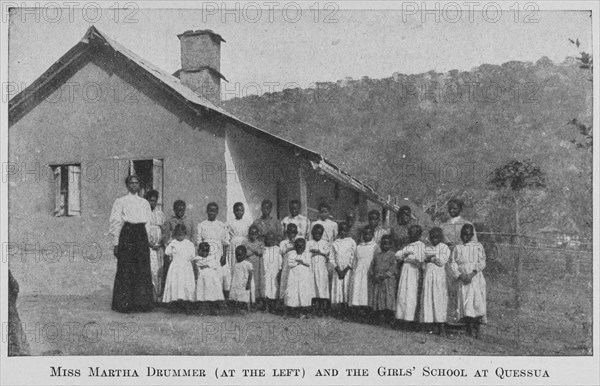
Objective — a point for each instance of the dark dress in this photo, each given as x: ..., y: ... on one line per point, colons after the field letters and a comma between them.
x: 383, y: 291
x: 17, y: 339
x: 133, y: 288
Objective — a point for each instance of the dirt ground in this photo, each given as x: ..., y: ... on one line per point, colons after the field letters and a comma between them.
x: 85, y: 325
x: 555, y: 318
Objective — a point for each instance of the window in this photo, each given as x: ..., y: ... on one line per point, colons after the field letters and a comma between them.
x: 150, y: 172
x: 67, y: 190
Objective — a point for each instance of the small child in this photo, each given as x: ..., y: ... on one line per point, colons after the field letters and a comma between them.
x: 285, y: 247
x: 359, y: 282
x: 319, y: 251
x: 255, y: 250
x: 215, y: 233
x: 384, y: 275
x: 467, y: 262
x: 242, y: 282
x: 272, y: 270
x: 237, y: 230
x: 435, y: 293
x: 378, y: 230
x: 330, y: 228
x: 412, y: 256
x: 180, y: 284
x: 208, y: 286
x: 342, y: 253
x: 300, y: 289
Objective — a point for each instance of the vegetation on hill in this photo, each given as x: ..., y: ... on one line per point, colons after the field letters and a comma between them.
x: 435, y: 135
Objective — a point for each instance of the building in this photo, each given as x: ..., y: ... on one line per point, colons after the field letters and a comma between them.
x: 100, y: 113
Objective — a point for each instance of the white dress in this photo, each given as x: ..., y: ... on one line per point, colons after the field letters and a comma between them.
x: 379, y: 233
x: 208, y: 285
x: 318, y: 267
x: 408, y: 286
x: 330, y: 229
x: 435, y: 293
x: 238, y: 291
x: 342, y: 256
x: 359, y: 281
x: 285, y: 245
x: 238, y: 232
x: 156, y: 256
x: 302, y: 222
x: 180, y: 283
x: 300, y: 288
x: 271, y: 266
x: 215, y: 233
x: 467, y: 258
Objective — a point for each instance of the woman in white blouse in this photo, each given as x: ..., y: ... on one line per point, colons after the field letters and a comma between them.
x: 129, y: 224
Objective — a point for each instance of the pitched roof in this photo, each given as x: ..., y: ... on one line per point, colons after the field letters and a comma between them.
x: 196, y: 101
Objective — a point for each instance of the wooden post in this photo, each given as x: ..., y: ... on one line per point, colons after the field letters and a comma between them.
x: 303, y: 193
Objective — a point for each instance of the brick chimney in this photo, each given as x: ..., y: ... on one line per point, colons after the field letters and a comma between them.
x: 201, y: 63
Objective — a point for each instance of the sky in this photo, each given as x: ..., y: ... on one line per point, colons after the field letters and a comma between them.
x: 279, y: 47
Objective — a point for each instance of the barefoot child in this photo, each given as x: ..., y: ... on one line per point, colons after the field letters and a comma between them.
x: 180, y: 285
x: 435, y: 293
x: 285, y: 247
x: 412, y: 256
x: 300, y: 288
x: 215, y: 233
x: 255, y: 249
x: 359, y: 282
x: 208, y: 285
x: 342, y: 253
x: 238, y: 232
x: 272, y: 270
x: 242, y: 282
x: 330, y: 228
x: 467, y: 262
x: 319, y: 251
x: 384, y: 276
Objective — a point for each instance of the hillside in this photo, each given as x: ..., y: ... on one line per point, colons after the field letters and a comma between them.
x: 426, y: 135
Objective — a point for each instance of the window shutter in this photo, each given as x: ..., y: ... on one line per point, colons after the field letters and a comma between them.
x: 58, y: 205
x: 74, y: 191
x: 157, y: 180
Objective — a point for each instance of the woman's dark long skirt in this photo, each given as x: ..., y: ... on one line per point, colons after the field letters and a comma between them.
x: 132, y: 291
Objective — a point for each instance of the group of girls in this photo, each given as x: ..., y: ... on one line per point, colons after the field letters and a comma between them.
x: 320, y: 268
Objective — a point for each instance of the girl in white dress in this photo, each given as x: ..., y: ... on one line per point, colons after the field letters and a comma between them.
x: 208, y: 286
x: 341, y: 256
x: 413, y: 256
x: 378, y: 230
x: 300, y: 289
x: 467, y: 262
x: 330, y: 227
x: 435, y: 292
x: 215, y: 233
x: 242, y: 283
x: 272, y: 263
x: 238, y: 232
x: 180, y: 286
x: 319, y: 251
x: 285, y: 247
x: 359, y: 282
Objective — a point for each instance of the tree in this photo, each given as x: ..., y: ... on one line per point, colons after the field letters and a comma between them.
x: 587, y: 63
x: 515, y: 179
